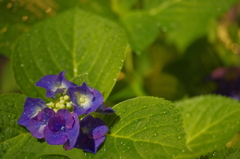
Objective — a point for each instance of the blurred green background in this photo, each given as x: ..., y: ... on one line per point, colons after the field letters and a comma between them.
x: 174, y: 45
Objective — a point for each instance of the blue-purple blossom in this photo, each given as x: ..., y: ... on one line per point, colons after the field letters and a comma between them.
x: 63, y: 128
x: 105, y: 110
x: 38, y: 123
x: 227, y: 81
x: 54, y: 84
x: 92, y: 134
x: 31, y: 108
x: 85, y: 99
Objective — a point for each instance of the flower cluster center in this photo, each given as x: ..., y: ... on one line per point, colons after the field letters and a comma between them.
x: 63, y: 103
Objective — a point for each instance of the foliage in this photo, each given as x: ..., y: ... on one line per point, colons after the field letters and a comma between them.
x: 125, y: 49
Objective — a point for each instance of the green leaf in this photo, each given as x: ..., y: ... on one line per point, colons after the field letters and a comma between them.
x: 15, y: 141
x: 53, y: 157
x: 51, y: 150
x: 80, y: 79
x: 225, y: 153
x: 186, y: 20
x: 122, y: 6
x: 76, y: 42
x: 141, y: 28
x: 210, y: 122
x: 143, y: 127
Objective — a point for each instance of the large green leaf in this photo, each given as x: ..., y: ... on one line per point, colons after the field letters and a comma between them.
x: 186, y: 20
x: 143, y: 127
x: 141, y: 28
x: 76, y: 42
x: 225, y: 153
x: 15, y: 141
x: 210, y: 122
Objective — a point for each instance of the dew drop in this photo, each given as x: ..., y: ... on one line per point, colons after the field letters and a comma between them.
x: 187, y: 115
x: 164, y: 29
x: 158, y: 24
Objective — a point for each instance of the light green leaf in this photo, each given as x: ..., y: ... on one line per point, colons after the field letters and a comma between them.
x: 186, y: 20
x: 15, y: 141
x: 210, y: 122
x: 141, y: 28
x: 143, y: 127
x: 76, y: 42
x: 80, y: 79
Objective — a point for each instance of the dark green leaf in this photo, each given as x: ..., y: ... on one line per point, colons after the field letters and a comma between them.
x: 143, y: 127
x: 76, y: 42
x: 15, y: 141
x: 141, y: 28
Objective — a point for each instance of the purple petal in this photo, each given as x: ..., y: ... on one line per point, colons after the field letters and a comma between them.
x: 72, y: 133
x: 84, y: 143
x: 54, y: 138
x: 98, y: 142
x: 92, y: 131
x: 31, y: 108
x: 67, y: 117
x: 87, y: 144
x: 54, y: 84
x: 56, y: 124
x: 105, y: 110
x: 99, y: 131
x: 85, y: 99
x: 37, y: 124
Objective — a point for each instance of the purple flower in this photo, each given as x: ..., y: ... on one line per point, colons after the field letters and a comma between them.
x: 54, y: 84
x: 85, y: 99
x: 92, y: 134
x: 38, y: 123
x: 63, y: 128
x: 227, y: 81
x: 31, y: 108
x: 105, y: 110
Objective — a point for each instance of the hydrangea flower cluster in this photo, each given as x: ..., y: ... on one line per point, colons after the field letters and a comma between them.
x: 58, y: 122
